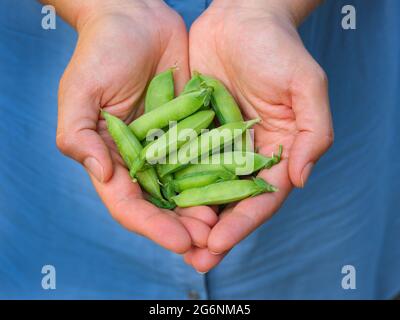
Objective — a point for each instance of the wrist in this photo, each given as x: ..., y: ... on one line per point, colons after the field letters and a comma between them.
x: 78, y: 13
x: 294, y: 10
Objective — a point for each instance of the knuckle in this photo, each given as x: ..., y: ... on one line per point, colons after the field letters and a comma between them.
x: 65, y: 143
x: 319, y: 75
x: 328, y: 139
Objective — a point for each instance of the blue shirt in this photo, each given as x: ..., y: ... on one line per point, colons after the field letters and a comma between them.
x: 347, y: 215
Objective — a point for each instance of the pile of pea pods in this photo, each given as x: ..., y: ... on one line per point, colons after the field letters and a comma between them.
x: 193, y: 149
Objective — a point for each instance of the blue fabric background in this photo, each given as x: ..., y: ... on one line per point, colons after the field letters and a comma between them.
x: 348, y: 214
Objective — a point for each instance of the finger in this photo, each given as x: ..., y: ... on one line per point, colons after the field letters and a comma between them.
x: 238, y: 222
x: 202, y: 260
x: 177, y: 54
x: 187, y: 257
x: 197, y: 230
x: 310, y: 104
x: 78, y: 116
x: 125, y: 203
x: 202, y: 213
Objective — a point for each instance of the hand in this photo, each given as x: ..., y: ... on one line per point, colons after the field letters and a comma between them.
x: 121, y: 45
x: 254, y: 48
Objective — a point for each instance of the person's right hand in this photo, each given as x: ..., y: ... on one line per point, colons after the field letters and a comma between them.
x: 122, y: 44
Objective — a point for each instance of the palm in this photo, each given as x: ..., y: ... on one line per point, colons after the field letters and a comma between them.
x: 261, y: 60
x: 115, y: 58
x: 242, y: 51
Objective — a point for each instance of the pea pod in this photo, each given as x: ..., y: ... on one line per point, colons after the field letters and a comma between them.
x: 174, y: 110
x: 160, y: 90
x: 203, y: 144
x: 177, y: 136
x: 222, y: 101
x: 161, y: 203
x: 193, y: 84
x: 198, y: 168
x: 127, y: 144
x: 223, y: 192
x: 129, y: 147
x: 148, y: 180
x: 214, y: 139
x: 245, y: 163
x: 168, y: 168
x: 166, y: 188
x: 226, y: 108
x: 201, y: 179
x: 237, y: 162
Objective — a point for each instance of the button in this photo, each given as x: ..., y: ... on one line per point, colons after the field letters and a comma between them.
x: 193, y: 295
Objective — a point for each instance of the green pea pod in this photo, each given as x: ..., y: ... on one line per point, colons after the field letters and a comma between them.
x: 193, y: 84
x: 223, y: 192
x: 160, y: 90
x: 166, y: 188
x: 222, y: 101
x: 226, y: 108
x: 214, y: 139
x: 149, y: 181
x: 237, y: 162
x: 199, y: 168
x: 161, y: 203
x: 177, y: 136
x: 245, y: 163
x: 203, y: 144
x: 129, y: 147
x: 169, y: 168
x: 201, y: 179
x: 174, y: 110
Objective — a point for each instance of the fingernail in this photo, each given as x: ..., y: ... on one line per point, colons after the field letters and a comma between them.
x: 95, y: 168
x: 306, y: 173
x: 215, y: 253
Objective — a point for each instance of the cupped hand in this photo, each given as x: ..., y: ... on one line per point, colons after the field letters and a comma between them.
x: 254, y: 48
x: 121, y: 45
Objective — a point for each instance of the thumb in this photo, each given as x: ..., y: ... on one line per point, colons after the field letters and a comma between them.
x: 313, y: 120
x: 78, y: 116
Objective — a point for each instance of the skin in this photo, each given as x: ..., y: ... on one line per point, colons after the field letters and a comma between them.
x: 279, y: 81
x: 253, y: 47
x: 110, y: 70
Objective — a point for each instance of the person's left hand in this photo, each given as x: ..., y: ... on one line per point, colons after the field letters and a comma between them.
x: 254, y: 48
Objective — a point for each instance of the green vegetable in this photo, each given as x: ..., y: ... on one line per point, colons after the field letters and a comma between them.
x: 193, y: 84
x: 167, y: 189
x: 203, y: 144
x: 129, y: 147
x: 237, y: 162
x: 223, y: 192
x: 201, y: 179
x: 226, y: 108
x: 160, y: 90
x: 177, y: 136
x: 174, y: 110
